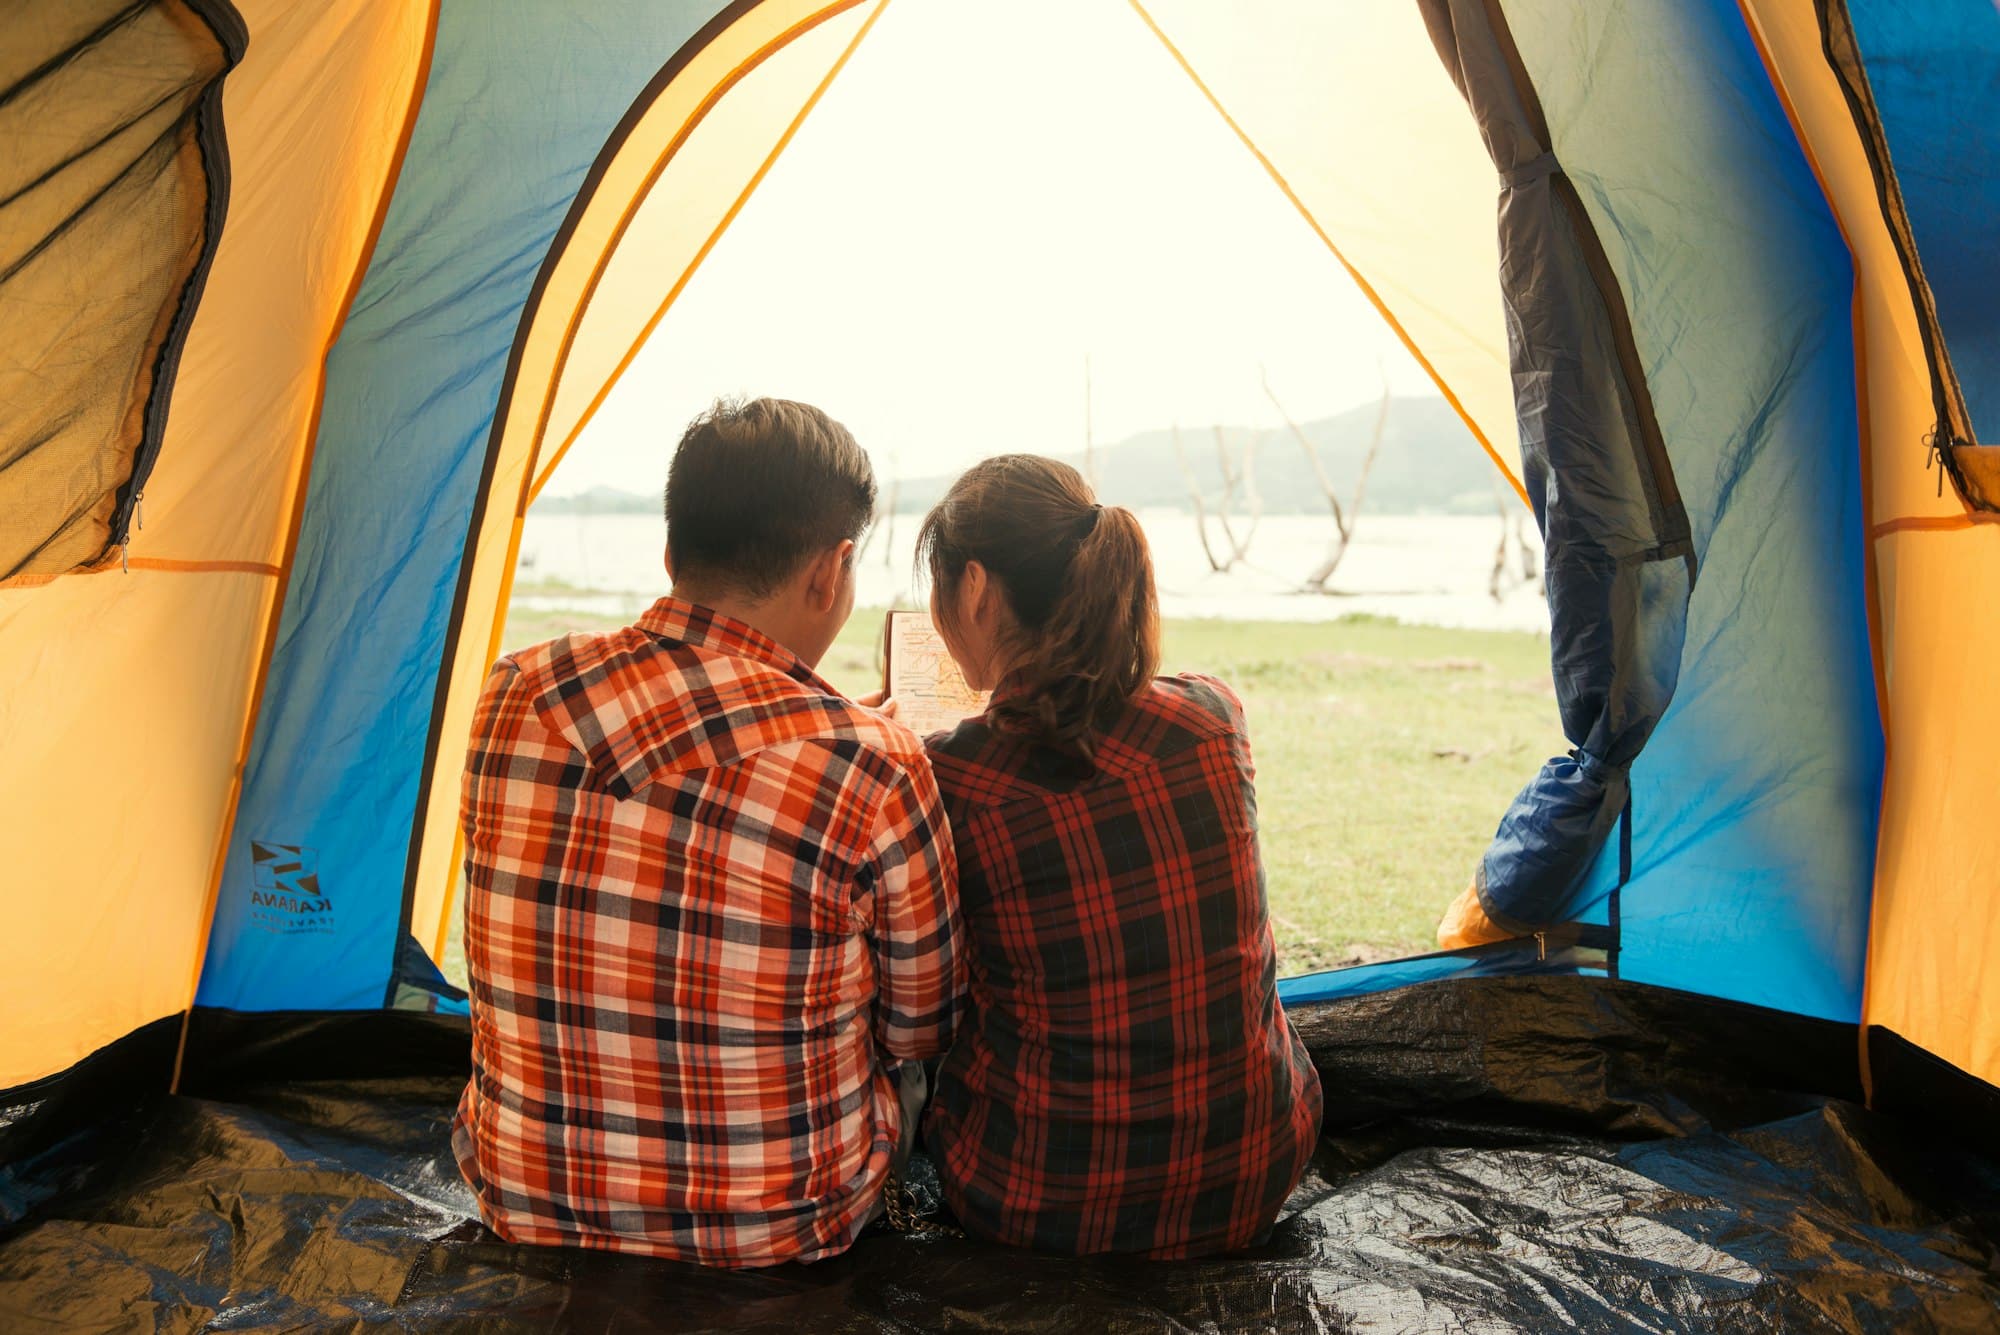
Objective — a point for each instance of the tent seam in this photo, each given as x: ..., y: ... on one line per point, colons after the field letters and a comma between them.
x: 1865, y: 439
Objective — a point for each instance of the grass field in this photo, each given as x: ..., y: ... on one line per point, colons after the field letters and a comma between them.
x: 1385, y: 755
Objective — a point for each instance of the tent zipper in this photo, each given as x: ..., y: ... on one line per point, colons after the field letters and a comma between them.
x: 138, y: 525
x: 211, y: 140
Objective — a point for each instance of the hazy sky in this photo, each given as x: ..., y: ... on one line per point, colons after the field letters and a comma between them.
x: 985, y: 196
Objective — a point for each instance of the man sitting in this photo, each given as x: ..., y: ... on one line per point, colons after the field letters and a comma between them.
x: 712, y: 904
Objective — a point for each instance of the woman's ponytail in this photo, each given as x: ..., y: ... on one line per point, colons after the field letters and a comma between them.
x: 1101, y: 642
x: 1078, y: 578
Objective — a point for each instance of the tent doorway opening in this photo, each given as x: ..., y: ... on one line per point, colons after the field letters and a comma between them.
x: 1069, y: 252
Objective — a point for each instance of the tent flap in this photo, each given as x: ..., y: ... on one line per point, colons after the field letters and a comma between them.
x: 1620, y: 565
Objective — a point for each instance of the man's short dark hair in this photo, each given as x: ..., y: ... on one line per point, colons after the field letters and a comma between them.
x: 758, y: 488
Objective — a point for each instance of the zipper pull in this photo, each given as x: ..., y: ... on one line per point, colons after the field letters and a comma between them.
x: 138, y: 522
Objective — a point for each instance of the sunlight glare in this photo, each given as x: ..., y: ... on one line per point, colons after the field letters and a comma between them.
x: 988, y: 196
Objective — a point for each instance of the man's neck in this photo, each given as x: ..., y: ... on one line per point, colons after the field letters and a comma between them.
x: 768, y: 618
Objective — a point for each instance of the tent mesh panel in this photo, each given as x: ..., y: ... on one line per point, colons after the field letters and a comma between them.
x: 110, y: 195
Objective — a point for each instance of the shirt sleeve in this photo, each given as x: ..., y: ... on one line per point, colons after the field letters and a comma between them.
x: 496, y: 715
x: 1236, y: 717
x: 919, y: 943
x: 1232, y: 704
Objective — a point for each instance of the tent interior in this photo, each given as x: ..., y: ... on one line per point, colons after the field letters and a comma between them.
x: 309, y: 302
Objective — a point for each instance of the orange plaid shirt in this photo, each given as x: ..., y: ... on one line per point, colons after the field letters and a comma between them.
x: 711, y: 906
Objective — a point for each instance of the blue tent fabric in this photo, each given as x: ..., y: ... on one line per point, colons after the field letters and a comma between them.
x: 1934, y: 69
x: 1754, y: 801
x: 1752, y: 805
x: 1581, y: 949
x: 503, y: 140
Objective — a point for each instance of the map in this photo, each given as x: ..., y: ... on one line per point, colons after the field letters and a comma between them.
x: 929, y: 691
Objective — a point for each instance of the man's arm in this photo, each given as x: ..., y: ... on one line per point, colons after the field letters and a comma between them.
x: 495, y: 718
x: 919, y: 944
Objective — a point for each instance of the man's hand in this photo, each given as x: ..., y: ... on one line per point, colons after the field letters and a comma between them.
x: 880, y: 701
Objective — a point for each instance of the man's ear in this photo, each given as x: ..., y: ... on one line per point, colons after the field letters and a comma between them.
x: 823, y: 589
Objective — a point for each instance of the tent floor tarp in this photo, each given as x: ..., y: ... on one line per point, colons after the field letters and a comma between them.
x: 1529, y: 1154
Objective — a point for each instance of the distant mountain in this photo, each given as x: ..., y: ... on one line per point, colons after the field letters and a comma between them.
x: 1429, y: 464
x: 600, y: 501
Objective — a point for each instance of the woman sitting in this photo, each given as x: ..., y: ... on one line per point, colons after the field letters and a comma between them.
x: 1127, y: 1081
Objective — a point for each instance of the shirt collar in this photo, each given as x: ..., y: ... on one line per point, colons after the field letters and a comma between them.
x: 705, y: 628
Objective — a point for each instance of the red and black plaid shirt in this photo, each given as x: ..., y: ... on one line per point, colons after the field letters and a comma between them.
x: 710, y: 906
x: 1125, y: 1079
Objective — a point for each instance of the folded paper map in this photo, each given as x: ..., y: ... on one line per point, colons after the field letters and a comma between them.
x: 929, y: 691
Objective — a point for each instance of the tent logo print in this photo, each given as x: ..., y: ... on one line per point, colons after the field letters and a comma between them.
x: 285, y: 894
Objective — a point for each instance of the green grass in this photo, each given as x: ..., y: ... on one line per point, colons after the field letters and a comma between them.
x: 1385, y: 755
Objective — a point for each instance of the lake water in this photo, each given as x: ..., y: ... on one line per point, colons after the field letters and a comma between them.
x: 1433, y: 570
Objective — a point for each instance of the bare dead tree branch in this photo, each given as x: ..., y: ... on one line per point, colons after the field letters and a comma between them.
x: 1241, y: 472
x: 1319, y: 469
x: 1345, y: 517
x: 1200, y: 501
x: 1514, y: 561
x: 1374, y: 446
x: 1228, y: 497
x: 1237, y: 473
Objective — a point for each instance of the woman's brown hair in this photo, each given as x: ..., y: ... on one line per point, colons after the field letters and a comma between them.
x: 1077, y: 577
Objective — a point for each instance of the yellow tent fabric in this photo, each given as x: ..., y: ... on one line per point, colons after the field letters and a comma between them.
x: 1935, y: 937
x: 132, y: 691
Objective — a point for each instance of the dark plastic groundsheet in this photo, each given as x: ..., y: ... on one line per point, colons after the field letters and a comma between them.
x: 1542, y: 1154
